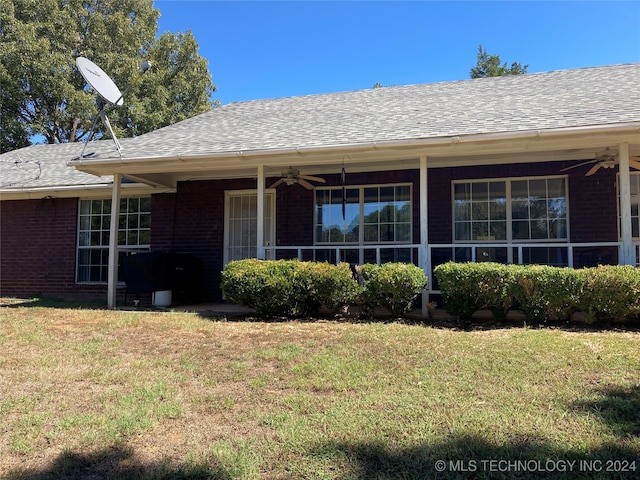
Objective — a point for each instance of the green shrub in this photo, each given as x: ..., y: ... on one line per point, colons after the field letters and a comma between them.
x: 609, y: 293
x: 546, y: 293
x: 469, y: 287
x: 288, y: 287
x: 325, y: 284
x: 394, y: 286
x: 260, y: 284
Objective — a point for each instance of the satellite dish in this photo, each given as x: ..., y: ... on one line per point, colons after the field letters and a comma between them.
x: 108, y: 94
x: 99, y: 81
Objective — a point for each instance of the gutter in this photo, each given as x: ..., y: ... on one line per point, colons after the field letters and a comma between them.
x: 537, y: 135
x: 73, y: 191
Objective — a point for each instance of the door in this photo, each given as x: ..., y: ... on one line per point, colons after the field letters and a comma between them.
x: 241, y: 216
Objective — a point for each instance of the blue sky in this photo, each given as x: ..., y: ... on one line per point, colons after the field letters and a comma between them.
x: 266, y: 49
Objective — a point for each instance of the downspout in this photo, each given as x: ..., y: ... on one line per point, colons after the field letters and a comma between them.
x: 627, y: 250
x: 113, y: 242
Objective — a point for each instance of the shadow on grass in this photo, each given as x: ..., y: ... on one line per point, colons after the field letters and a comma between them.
x: 469, y: 456
x: 618, y: 408
x: 455, y: 457
x: 118, y: 463
x: 49, y: 302
x: 473, y: 457
x: 440, y: 322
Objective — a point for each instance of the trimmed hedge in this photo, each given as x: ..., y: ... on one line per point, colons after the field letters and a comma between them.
x: 394, y: 286
x: 289, y: 288
x: 469, y: 287
x: 605, y: 293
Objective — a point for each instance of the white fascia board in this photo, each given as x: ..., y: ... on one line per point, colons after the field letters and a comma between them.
x: 78, y: 191
x: 502, y: 142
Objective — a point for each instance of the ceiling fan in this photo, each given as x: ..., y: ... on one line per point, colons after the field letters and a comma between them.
x: 607, y: 158
x: 292, y: 175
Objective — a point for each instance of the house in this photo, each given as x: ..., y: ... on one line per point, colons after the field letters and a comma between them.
x: 537, y: 168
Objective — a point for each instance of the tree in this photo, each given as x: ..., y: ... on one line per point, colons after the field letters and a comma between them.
x: 43, y: 97
x: 490, y: 66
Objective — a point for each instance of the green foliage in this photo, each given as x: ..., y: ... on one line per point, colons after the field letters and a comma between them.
x: 490, y: 66
x: 288, y: 287
x: 609, y: 293
x: 42, y: 93
x: 260, y: 284
x: 328, y: 285
x: 468, y: 287
x: 546, y: 293
x: 606, y: 293
x: 394, y: 286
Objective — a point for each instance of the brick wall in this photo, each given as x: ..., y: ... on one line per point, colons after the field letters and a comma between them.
x: 38, y: 237
x: 38, y: 250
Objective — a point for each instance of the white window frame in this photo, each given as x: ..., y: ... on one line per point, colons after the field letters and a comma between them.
x: 509, y: 213
x: 361, y: 226
x: 488, y: 248
x: 104, y: 231
x: 270, y: 198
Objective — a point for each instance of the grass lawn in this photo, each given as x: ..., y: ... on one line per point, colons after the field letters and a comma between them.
x: 89, y: 393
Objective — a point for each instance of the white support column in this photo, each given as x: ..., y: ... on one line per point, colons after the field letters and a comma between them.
x: 260, y: 253
x: 113, y: 242
x: 627, y: 251
x: 423, y: 254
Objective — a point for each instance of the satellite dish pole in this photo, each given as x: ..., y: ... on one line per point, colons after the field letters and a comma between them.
x: 108, y: 94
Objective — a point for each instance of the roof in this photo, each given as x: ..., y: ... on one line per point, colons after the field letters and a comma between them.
x: 45, y: 165
x: 41, y: 170
x: 591, y: 98
x: 567, y: 98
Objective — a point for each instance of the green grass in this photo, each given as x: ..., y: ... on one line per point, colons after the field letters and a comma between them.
x: 154, y: 395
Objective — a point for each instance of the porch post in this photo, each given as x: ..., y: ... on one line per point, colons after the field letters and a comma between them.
x: 260, y: 215
x: 627, y: 251
x: 423, y: 253
x: 112, y: 272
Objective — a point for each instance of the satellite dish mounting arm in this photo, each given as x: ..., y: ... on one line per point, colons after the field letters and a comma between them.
x: 108, y: 94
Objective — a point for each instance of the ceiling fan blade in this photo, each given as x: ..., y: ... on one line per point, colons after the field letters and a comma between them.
x: 635, y: 163
x: 578, y: 165
x: 313, y: 179
x: 277, y: 183
x: 593, y: 170
x: 305, y: 184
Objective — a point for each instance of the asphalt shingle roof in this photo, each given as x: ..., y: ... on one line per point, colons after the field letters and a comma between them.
x: 45, y: 165
x: 585, y: 97
x: 566, y: 98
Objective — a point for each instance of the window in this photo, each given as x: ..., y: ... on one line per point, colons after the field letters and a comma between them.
x: 480, y: 211
x: 134, y: 233
x: 635, y: 205
x: 511, y: 210
x: 539, y: 209
x: 372, y: 215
